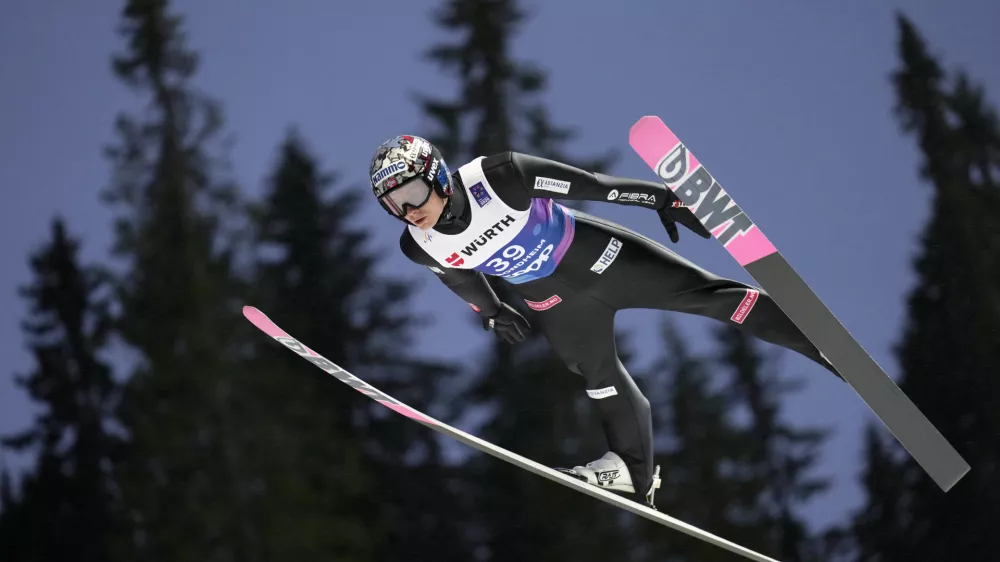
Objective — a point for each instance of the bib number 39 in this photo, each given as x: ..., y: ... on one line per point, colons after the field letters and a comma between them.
x: 513, y: 252
x: 516, y: 258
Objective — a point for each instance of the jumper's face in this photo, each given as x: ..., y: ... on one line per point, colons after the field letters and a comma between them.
x: 427, y: 215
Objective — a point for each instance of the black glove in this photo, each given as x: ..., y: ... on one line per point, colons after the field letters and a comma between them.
x: 508, y: 324
x: 674, y: 212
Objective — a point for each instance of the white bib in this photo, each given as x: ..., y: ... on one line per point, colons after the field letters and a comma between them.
x: 519, y: 246
x: 491, y: 227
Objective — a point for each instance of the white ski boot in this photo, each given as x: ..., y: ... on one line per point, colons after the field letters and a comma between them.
x: 608, y: 472
x: 611, y: 473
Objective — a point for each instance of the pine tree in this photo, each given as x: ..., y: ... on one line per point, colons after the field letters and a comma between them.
x: 880, y: 529
x: 8, y: 501
x: 187, y: 478
x: 500, y: 106
x: 65, y: 509
x: 776, y: 458
x: 316, y: 483
x: 376, y: 481
x: 536, y: 406
x: 948, y: 349
x: 698, y: 448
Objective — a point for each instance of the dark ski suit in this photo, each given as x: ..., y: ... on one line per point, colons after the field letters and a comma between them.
x: 575, y: 271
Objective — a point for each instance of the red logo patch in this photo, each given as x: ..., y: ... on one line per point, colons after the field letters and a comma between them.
x: 545, y: 304
x: 455, y: 259
x: 745, y: 306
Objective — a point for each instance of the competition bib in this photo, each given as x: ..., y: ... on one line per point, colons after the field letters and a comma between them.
x: 519, y: 246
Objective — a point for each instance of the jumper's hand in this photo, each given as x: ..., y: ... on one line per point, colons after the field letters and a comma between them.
x: 508, y: 324
x: 674, y: 212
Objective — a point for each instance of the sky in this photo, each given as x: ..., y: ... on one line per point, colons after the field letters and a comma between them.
x: 788, y: 105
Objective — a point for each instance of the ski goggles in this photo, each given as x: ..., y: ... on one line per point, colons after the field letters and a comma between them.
x: 413, y: 194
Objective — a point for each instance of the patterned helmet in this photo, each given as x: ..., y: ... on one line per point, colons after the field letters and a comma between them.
x: 402, y: 160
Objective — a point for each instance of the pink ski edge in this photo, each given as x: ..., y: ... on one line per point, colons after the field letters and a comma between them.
x: 407, y: 411
x: 264, y: 324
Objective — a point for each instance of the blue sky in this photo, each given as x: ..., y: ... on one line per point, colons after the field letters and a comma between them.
x: 787, y: 104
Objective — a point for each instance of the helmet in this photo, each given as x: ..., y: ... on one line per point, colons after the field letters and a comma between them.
x: 404, y: 170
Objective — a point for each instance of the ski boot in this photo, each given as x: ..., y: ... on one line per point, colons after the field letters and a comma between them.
x: 611, y: 473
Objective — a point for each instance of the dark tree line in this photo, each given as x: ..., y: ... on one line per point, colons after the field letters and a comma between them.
x: 214, y: 443
x: 950, y: 346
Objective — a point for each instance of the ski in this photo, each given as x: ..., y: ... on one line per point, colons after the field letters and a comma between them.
x: 678, y: 168
x: 262, y: 322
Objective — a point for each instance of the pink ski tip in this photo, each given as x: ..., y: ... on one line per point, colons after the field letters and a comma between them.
x: 652, y: 139
x: 644, y: 122
x: 259, y: 319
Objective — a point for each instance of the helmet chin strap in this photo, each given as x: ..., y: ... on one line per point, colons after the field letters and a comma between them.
x: 454, y: 207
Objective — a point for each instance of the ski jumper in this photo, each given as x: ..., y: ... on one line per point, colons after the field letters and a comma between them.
x: 574, y: 271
